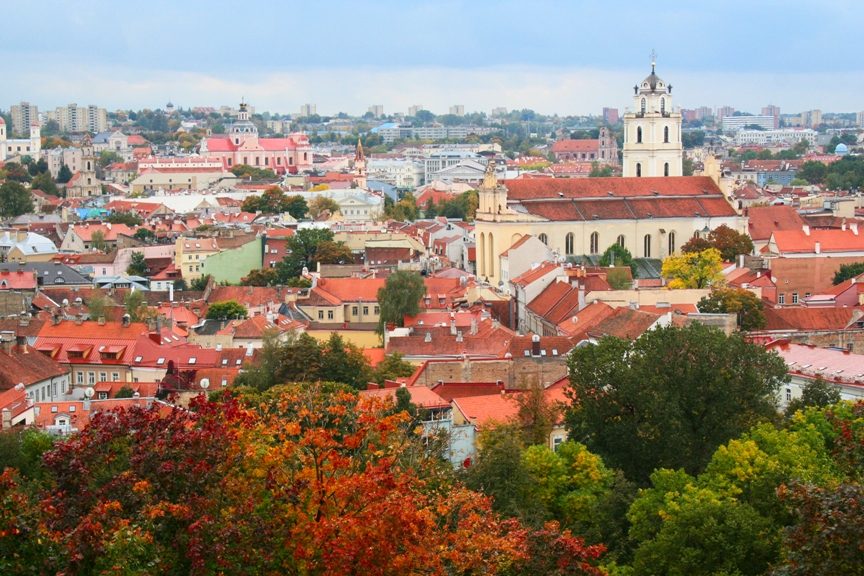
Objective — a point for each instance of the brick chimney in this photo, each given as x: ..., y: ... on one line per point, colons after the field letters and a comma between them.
x: 535, y: 345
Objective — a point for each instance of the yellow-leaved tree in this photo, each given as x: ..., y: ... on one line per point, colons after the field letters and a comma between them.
x: 693, y: 270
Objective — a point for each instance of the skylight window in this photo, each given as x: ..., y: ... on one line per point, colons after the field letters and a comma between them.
x: 192, y: 360
x: 138, y: 358
x: 160, y: 360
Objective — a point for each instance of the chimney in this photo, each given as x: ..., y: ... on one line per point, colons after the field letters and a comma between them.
x: 126, y: 319
x: 817, y: 247
x: 453, y: 331
x: 854, y: 227
x: 474, y: 326
x: 535, y: 345
x: 459, y: 336
x: 580, y: 297
x: 101, y: 320
x: 428, y: 337
x: 7, y: 338
x: 806, y: 229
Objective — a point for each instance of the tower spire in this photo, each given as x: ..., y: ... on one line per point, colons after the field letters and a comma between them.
x: 653, y: 60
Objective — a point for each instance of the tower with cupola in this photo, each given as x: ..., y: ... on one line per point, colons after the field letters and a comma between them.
x: 652, y: 130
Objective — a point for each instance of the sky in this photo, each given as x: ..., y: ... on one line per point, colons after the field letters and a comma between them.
x: 553, y: 56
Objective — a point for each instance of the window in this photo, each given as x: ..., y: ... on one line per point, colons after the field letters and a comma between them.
x: 193, y: 360
x: 365, y: 310
x: 794, y: 297
x: 91, y: 378
x: 102, y: 396
x: 595, y: 243
x: 666, y: 169
x: 643, y: 107
x: 71, y: 408
x: 103, y: 376
x: 354, y: 310
x: 646, y: 246
x: 54, y: 409
x: 788, y: 394
x: 568, y: 243
x: 671, y: 242
x: 638, y: 169
x: 621, y: 241
x: 79, y: 378
x: 666, y: 134
x: 115, y: 376
x: 781, y: 299
x: 320, y: 314
x: 806, y: 294
x: 543, y: 238
x: 377, y: 310
x: 638, y: 134
x: 329, y: 314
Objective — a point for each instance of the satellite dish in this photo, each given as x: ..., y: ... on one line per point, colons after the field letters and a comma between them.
x: 205, y: 383
x: 88, y: 392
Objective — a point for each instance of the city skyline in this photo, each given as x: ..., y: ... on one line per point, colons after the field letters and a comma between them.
x: 564, y: 59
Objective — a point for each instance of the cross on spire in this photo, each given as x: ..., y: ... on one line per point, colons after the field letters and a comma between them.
x: 653, y: 60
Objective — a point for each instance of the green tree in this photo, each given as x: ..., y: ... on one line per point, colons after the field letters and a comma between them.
x: 329, y: 252
x: 137, y: 265
x: 275, y: 201
x: 617, y: 255
x: 252, y: 173
x: 64, y: 174
x: 302, y: 249
x: 400, y: 296
x: 200, y: 284
x: 127, y: 218
x: 320, y: 204
x: 44, y: 183
x: 815, y: 393
x: 125, y: 392
x: 136, y: 305
x: 536, y: 415
x: 687, y: 167
x: 22, y: 449
x: 144, y: 235
x: 97, y: 241
x: 693, y: 269
x: 14, y: 199
x: 598, y: 171
x: 847, y: 271
x: 226, y: 310
x: 344, y: 362
x: 743, y: 303
x: 260, y: 277
x: 498, y: 472
x: 97, y: 305
x: 108, y: 157
x: 391, y: 368
x: 669, y: 398
x: 17, y: 172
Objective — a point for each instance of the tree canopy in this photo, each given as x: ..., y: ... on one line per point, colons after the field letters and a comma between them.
x: 308, y: 247
x: 15, y: 199
x: 226, y: 310
x: 400, y: 296
x: 847, y: 271
x: 669, y: 398
x: 727, y: 241
x: 275, y: 201
x: 137, y: 265
x: 693, y: 269
x: 617, y: 255
x: 743, y: 303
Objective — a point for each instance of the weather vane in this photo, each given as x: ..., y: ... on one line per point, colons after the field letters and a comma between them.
x: 653, y: 59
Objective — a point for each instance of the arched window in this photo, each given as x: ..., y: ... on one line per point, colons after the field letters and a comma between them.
x: 662, y: 106
x: 595, y: 243
x: 543, y: 238
x: 666, y: 169
x: 568, y: 243
x: 671, y: 243
x: 621, y: 241
x: 646, y: 246
x: 638, y: 169
x: 88, y: 165
x: 666, y: 134
x: 638, y: 134
x: 643, y: 106
x: 490, y: 266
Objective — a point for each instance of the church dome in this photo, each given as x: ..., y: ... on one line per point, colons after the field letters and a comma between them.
x: 652, y: 83
x: 2, y: 121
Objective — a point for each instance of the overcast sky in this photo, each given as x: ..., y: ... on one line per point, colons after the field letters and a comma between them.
x: 564, y: 56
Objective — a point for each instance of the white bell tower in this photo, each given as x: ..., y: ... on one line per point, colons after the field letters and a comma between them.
x: 652, y: 130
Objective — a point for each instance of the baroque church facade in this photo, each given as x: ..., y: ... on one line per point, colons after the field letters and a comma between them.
x: 652, y: 210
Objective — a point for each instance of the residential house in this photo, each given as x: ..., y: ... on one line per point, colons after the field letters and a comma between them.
x: 20, y: 364
x: 841, y: 368
x: 95, y: 236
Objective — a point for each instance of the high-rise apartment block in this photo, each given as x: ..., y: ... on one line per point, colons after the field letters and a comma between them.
x: 308, y: 110
x: 774, y: 111
x: 457, y: 110
x: 377, y: 110
x: 74, y: 118
x: 24, y: 115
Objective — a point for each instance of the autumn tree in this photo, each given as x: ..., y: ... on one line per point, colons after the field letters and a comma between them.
x: 260, y: 277
x: 693, y: 269
x: 400, y: 296
x: 730, y: 243
x: 226, y: 310
x: 320, y: 204
x: 743, y: 303
x: 97, y: 241
x: 669, y: 398
x: 329, y: 252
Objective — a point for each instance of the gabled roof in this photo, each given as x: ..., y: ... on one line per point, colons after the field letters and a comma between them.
x: 550, y: 188
x: 25, y: 365
x: 420, y: 395
x: 587, y: 145
x: 809, y: 318
x: 623, y: 323
x: 798, y: 241
x: 767, y: 219
x: 530, y: 276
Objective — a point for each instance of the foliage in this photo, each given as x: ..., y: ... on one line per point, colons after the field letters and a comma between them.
x: 64, y: 174
x: 815, y: 393
x: 137, y: 264
x: 97, y: 305
x: 669, y: 398
x: 144, y: 235
x: 200, y: 284
x: 739, y: 301
x: 693, y: 270
x: 14, y: 199
x: 848, y: 271
x: 729, y: 242
x: 136, y: 305
x: 329, y: 252
x: 617, y: 255
x: 16, y: 172
x: 226, y: 310
x: 274, y: 201
x: 125, y: 392
x: 97, y: 241
x: 598, y: 171
x: 536, y: 415
x: 405, y: 210
x: 320, y: 204
x: 391, y: 368
x: 22, y: 450
x: 302, y: 248
x: 108, y: 157
x: 128, y: 218
x: 343, y: 362
x: 247, y: 172
x: 260, y: 277
x: 45, y: 183
x: 400, y: 296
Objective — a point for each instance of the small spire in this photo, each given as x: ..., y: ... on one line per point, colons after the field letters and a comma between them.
x: 653, y: 60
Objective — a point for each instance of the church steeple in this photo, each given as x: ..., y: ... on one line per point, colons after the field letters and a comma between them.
x: 360, y: 165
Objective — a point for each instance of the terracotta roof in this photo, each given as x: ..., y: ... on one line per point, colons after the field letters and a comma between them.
x: 587, y: 145
x: 498, y: 408
x: 624, y: 323
x: 550, y: 296
x: 550, y: 346
x: 797, y: 241
x: 253, y: 296
x: 583, y: 320
x: 535, y: 274
x: 831, y: 364
x: 767, y: 219
x: 17, y: 280
x: 420, y: 395
x: 537, y: 188
x: 26, y: 365
x: 808, y: 318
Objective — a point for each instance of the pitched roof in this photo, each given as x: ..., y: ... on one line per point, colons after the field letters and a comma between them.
x: 23, y: 364
x: 587, y: 145
x: 831, y: 364
x: 808, y: 318
x: 535, y: 274
x: 797, y: 241
x: 767, y: 219
x: 420, y: 395
x: 550, y: 188
x: 624, y: 323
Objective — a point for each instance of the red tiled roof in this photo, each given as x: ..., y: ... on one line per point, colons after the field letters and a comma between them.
x: 808, y: 318
x: 17, y: 280
x: 587, y: 145
x: 534, y: 274
x: 524, y: 238
x: 624, y: 323
x: 538, y: 188
x: 583, y: 320
x: 767, y: 219
x: 420, y: 395
x: 23, y: 364
x: 797, y: 241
